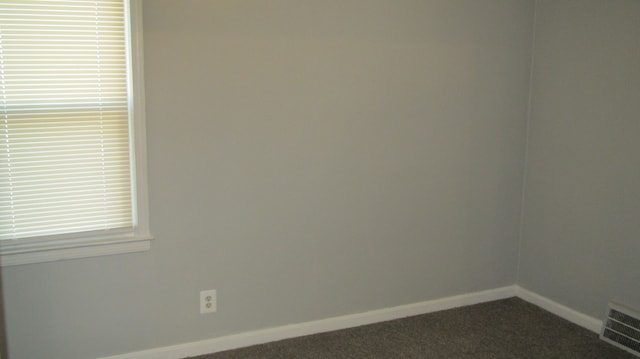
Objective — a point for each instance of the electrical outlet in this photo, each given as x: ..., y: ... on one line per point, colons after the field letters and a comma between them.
x: 208, y: 301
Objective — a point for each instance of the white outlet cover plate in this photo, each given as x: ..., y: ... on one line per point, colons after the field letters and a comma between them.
x: 208, y: 301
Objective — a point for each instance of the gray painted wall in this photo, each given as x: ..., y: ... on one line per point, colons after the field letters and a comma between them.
x: 581, y: 234
x: 315, y: 159
x: 307, y: 160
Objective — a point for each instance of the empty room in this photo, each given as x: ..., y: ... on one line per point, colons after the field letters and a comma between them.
x: 184, y: 177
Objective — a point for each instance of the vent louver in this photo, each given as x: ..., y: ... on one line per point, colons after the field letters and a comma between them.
x: 621, y: 328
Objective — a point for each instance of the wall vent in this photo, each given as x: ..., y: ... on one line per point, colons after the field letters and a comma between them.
x: 621, y: 328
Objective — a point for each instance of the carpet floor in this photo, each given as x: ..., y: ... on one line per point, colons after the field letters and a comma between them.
x: 509, y: 328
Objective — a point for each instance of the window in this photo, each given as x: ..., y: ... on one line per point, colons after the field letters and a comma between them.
x: 72, y: 144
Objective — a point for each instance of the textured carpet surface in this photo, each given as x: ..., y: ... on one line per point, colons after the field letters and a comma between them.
x: 510, y: 328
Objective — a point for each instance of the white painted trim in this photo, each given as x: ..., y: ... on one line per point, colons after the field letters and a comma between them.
x: 317, y: 326
x: 138, y: 123
x: 130, y: 245
x: 560, y: 310
x: 354, y: 320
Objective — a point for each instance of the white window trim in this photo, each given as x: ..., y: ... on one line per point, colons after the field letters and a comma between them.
x: 61, y: 247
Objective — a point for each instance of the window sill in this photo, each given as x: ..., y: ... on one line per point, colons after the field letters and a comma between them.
x: 81, y: 249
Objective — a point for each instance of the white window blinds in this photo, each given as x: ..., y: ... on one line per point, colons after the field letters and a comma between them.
x: 65, y: 164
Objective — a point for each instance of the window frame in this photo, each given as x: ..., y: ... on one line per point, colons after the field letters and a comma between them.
x: 92, y: 244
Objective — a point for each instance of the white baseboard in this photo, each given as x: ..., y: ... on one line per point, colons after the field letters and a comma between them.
x: 560, y: 310
x: 318, y: 326
x: 353, y: 320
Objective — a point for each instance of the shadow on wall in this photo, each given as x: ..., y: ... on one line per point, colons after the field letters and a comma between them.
x: 3, y: 337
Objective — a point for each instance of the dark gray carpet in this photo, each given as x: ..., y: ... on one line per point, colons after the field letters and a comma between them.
x: 510, y: 328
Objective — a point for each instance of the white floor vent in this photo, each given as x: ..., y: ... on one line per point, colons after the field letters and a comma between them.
x: 622, y: 328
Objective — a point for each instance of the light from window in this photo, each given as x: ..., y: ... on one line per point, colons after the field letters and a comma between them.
x: 66, y: 122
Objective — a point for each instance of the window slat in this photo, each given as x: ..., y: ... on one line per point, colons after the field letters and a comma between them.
x: 65, y: 163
